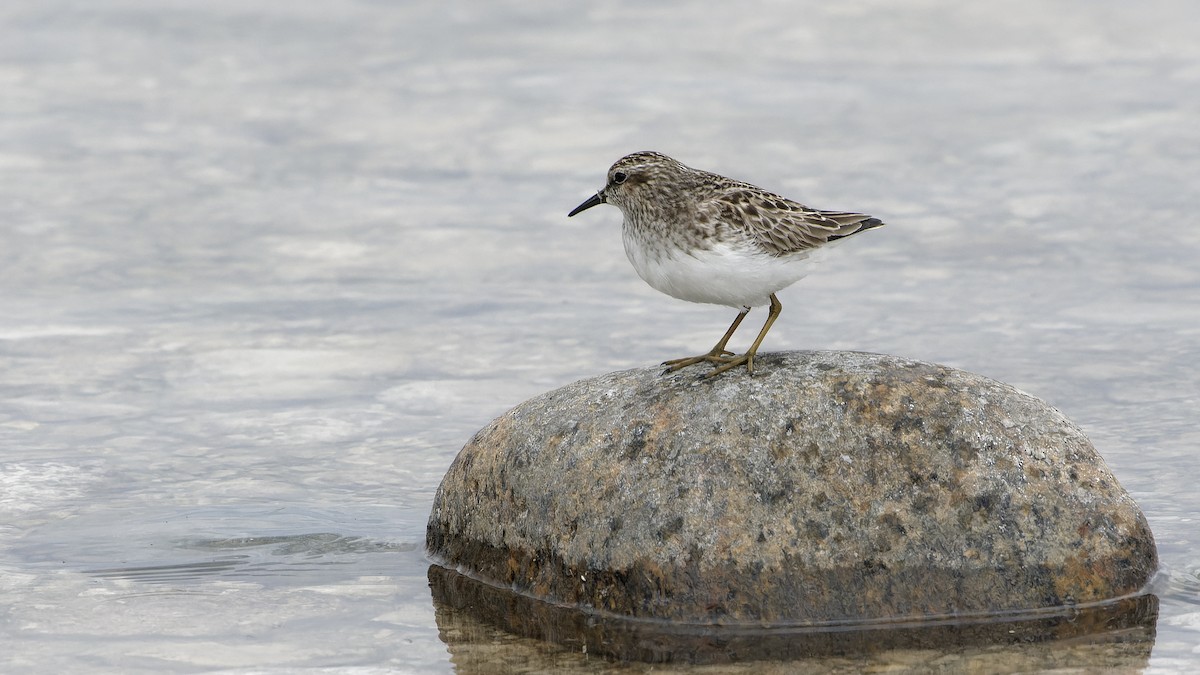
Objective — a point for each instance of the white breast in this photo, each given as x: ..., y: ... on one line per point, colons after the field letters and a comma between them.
x: 736, y: 276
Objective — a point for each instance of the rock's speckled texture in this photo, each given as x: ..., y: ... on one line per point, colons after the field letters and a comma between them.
x: 831, y: 486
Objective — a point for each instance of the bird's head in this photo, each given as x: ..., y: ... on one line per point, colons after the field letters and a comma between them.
x: 638, y: 182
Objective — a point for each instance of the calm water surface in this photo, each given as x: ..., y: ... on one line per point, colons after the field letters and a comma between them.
x: 265, y: 266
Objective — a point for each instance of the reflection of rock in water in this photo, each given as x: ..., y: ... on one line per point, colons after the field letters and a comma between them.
x: 482, y: 626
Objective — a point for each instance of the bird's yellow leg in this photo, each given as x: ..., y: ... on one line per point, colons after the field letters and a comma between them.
x: 728, y: 362
x: 717, y: 354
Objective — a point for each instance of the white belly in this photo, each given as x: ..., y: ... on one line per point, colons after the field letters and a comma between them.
x: 724, y: 275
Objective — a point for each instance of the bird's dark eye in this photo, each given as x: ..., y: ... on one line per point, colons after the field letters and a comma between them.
x: 619, y: 177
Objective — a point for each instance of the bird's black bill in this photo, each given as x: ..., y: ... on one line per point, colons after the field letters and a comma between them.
x: 591, y: 201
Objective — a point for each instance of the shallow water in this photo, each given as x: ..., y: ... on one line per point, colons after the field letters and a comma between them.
x: 267, y: 266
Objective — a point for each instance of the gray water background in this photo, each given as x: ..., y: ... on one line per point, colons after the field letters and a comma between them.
x: 266, y: 266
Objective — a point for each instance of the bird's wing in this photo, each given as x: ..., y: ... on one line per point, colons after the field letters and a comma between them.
x: 782, y: 226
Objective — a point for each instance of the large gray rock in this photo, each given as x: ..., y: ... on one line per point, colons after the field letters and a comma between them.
x: 828, y: 487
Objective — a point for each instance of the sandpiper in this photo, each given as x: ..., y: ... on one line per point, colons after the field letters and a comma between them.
x: 702, y: 237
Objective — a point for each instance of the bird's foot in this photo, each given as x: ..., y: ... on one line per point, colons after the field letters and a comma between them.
x: 713, y: 357
x: 725, y: 360
x: 730, y: 362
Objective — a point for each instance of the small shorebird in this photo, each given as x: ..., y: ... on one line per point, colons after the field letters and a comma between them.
x: 701, y: 237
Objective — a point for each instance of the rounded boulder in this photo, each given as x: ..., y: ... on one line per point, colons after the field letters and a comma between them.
x: 827, y: 487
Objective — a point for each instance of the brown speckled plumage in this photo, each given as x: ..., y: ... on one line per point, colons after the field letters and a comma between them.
x: 706, y: 206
